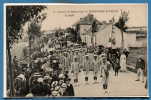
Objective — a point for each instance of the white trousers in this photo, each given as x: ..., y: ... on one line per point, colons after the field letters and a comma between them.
x: 140, y: 74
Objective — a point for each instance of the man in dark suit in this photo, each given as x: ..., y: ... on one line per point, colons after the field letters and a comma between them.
x: 70, y: 89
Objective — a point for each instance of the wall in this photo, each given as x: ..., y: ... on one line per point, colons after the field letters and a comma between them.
x: 85, y: 34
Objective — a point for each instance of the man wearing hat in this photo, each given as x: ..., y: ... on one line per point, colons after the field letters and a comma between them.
x: 86, y: 67
x: 63, y: 88
x: 48, y: 78
x: 81, y: 58
x: 70, y: 89
x: 105, y: 74
x: 20, y: 85
x: 95, y: 68
x: 100, y: 62
x: 91, y: 58
x: 140, y: 66
x: 55, y: 93
x: 67, y: 61
x: 70, y: 58
x: 62, y: 61
x: 37, y: 89
x: 46, y: 67
x: 75, y: 68
x: 46, y: 86
x: 61, y: 79
x: 54, y: 84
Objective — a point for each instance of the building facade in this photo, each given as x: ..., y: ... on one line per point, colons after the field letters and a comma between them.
x: 133, y: 37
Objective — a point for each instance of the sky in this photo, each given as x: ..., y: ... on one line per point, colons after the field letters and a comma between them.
x: 65, y: 15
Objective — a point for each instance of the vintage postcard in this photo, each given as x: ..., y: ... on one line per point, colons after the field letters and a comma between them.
x: 75, y: 50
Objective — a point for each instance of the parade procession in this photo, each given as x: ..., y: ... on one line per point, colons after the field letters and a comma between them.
x: 50, y: 73
x: 89, y: 58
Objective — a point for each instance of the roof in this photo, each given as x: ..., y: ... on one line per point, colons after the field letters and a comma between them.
x: 137, y: 30
x: 87, y: 20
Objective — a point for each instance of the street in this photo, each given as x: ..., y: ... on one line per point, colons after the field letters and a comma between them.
x: 123, y: 85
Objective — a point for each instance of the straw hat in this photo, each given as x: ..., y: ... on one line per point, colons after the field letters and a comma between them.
x: 40, y: 80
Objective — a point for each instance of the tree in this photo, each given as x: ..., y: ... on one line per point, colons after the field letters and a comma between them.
x: 34, y: 30
x: 121, y: 24
x: 16, y: 17
x: 73, y: 34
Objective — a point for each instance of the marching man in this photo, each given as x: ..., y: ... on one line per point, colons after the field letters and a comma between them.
x: 81, y: 59
x: 86, y: 67
x: 95, y: 68
x: 75, y: 69
x: 100, y: 62
x: 105, y: 73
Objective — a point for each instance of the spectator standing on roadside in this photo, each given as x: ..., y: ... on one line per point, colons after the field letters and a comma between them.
x: 140, y: 66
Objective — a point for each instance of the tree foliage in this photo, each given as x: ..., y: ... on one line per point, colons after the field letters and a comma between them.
x: 121, y: 24
x: 73, y: 34
x: 34, y: 27
x: 17, y: 16
x: 34, y: 30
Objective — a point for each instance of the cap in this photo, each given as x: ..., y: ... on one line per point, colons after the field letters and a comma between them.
x: 57, y: 88
x: 36, y: 61
x: 40, y: 80
x: 55, y: 93
x: 29, y: 95
x: 46, y: 77
x: 64, y: 85
x: 54, y: 61
x: 61, y: 76
x: 54, y: 84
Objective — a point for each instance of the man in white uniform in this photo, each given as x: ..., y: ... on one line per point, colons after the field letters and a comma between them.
x: 95, y: 68
x: 86, y: 67
x: 75, y: 68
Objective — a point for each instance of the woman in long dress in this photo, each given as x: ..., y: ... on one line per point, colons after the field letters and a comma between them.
x: 123, y: 62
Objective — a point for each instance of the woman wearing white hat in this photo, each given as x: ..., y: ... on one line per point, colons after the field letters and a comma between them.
x: 63, y: 88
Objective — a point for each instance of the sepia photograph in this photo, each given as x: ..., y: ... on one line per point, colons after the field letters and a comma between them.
x: 75, y: 50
